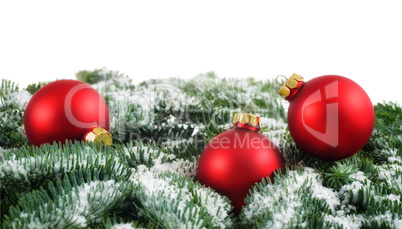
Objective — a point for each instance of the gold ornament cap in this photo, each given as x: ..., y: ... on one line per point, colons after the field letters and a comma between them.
x: 247, y: 120
x: 291, y: 86
x: 99, y: 134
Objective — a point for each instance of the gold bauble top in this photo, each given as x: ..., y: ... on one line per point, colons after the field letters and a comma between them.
x: 291, y: 83
x: 99, y: 134
x: 245, y: 118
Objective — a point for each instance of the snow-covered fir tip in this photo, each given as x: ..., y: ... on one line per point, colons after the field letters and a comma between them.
x: 168, y: 197
x: 124, y: 226
x: 85, y: 204
x: 3, y: 152
x: 57, y: 163
x: 94, y: 197
x: 164, y: 162
x: 347, y: 221
x: 157, y: 186
x: 19, y: 98
x: 180, y: 166
x: 272, y: 123
x: 285, y: 200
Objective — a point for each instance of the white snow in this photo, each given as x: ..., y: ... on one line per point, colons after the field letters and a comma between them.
x: 16, y: 167
x: 36, y: 224
x: 272, y: 123
x: 155, y: 186
x: 347, y: 221
x: 28, y: 165
x: 361, y: 183
x: 389, y: 217
x: 217, y: 208
x: 388, y: 173
x: 124, y: 226
x: 286, y: 199
x: 3, y: 151
x: 88, y: 202
x: 180, y: 166
x: 226, y: 126
x: 94, y: 195
x: 355, y: 186
x: 321, y: 192
x: 359, y: 176
x: 171, y: 143
x: 22, y: 97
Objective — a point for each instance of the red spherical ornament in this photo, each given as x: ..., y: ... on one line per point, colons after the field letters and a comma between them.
x: 235, y: 160
x: 330, y: 117
x: 65, y: 109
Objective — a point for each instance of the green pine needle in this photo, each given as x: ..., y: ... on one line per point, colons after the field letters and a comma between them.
x: 339, y: 175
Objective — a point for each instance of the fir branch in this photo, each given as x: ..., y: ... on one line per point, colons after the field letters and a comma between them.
x: 339, y: 175
x: 387, y: 131
x: 8, y: 87
x: 31, y: 168
x: 12, y: 107
x: 171, y: 201
x: 190, y: 151
x: 99, y: 75
x: 33, y: 88
x: 114, y: 223
x: 79, y: 200
x: 293, y: 200
x: 139, y: 154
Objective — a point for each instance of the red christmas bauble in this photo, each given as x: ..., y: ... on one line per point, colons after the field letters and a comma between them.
x: 235, y: 160
x: 64, y: 109
x: 330, y: 117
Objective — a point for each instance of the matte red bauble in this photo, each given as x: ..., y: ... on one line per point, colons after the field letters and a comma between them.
x: 66, y: 110
x: 330, y: 117
x: 235, y: 160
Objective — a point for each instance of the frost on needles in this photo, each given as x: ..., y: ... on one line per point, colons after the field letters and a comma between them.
x: 147, y: 179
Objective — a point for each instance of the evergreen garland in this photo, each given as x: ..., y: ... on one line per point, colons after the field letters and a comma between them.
x: 147, y: 179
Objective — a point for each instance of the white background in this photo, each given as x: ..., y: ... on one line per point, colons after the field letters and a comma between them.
x: 362, y: 40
